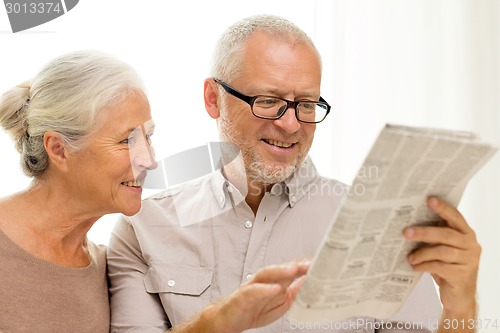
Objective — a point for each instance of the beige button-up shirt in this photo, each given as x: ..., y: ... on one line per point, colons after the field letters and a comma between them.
x: 194, y: 244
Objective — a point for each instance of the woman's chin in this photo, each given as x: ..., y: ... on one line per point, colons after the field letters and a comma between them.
x: 131, y: 208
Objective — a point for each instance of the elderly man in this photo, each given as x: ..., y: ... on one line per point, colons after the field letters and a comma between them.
x: 197, y: 243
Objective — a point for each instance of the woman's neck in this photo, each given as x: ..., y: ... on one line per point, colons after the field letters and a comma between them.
x: 39, y: 222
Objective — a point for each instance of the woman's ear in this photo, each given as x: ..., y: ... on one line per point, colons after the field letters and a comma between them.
x: 56, y: 149
x: 211, y: 94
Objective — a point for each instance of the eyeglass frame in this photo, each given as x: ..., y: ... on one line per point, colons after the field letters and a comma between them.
x: 251, y: 99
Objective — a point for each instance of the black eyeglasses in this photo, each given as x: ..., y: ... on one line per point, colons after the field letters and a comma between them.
x: 269, y: 107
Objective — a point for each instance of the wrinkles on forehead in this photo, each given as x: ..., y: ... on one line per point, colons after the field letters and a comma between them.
x: 279, y: 68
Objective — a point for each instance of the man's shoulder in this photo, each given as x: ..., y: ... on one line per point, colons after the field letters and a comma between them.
x: 184, y: 189
x: 331, y: 181
x: 307, y: 178
x: 171, y: 205
x: 324, y: 187
x: 97, y: 251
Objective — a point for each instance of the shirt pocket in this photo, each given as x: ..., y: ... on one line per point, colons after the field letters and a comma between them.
x: 183, y: 290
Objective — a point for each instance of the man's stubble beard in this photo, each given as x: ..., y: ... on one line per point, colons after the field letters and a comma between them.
x: 254, y: 165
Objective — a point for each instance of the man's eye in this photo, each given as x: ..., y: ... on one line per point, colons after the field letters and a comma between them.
x: 267, y: 103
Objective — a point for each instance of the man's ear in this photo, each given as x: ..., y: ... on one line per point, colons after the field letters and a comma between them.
x: 56, y: 149
x: 211, y: 94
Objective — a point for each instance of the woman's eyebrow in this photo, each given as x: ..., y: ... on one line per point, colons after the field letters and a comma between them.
x: 141, y: 127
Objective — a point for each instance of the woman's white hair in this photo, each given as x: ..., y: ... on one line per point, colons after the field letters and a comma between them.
x: 68, y: 96
x: 228, y: 55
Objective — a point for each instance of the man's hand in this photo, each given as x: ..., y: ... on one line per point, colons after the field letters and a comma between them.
x: 258, y: 302
x: 452, y: 257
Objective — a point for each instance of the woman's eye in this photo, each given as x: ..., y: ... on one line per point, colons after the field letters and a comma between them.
x: 128, y: 141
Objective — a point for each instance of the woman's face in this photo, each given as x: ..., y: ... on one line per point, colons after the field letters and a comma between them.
x: 108, y: 174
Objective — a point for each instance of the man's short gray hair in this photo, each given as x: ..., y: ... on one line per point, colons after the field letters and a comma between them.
x: 227, y: 58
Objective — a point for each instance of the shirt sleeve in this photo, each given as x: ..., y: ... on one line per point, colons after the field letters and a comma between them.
x: 133, y: 309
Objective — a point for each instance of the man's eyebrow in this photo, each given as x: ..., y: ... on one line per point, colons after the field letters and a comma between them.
x: 277, y: 93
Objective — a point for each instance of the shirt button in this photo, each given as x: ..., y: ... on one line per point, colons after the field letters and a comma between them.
x: 248, y: 277
x: 230, y: 189
x: 248, y: 224
x: 171, y: 283
x: 221, y: 199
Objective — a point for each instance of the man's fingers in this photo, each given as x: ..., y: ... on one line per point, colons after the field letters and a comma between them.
x: 437, y: 235
x: 284, y: 272
x: 457, y: 278
x: 274, y: 286
x: 449, y: 213
x: 294, y: 288
x: 261, y: 291
x: 442, y: 253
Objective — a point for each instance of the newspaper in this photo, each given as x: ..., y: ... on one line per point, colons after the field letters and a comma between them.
x: 361, y: 267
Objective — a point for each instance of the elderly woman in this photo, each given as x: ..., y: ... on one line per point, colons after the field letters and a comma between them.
x: 83, y: 129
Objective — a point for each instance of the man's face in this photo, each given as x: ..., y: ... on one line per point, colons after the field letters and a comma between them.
x: 272, y: 149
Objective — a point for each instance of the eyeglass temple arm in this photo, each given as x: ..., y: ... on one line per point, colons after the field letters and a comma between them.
x: 234, y: 92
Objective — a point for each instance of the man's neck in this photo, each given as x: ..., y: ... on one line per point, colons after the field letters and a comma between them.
x: 256, y: 191
x: 252, y: 189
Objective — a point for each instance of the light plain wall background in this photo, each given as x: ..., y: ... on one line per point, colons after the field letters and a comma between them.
x: 423, y: 63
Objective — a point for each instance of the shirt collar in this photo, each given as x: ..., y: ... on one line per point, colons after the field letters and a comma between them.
x: 296, y: 185
x: 219, y: 184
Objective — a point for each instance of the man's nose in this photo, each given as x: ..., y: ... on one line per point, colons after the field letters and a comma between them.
x: 288, y: 121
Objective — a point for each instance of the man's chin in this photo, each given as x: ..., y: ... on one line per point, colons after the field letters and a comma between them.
x: 269, y: 175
